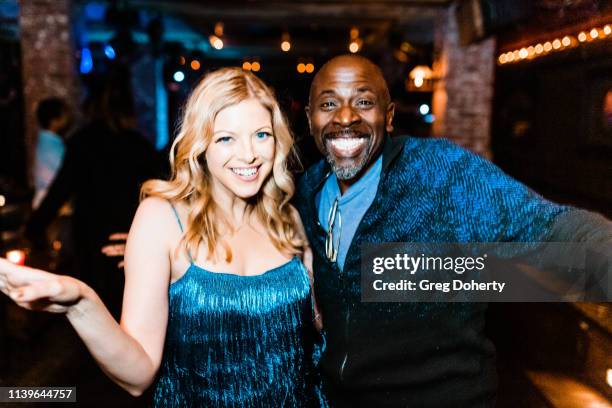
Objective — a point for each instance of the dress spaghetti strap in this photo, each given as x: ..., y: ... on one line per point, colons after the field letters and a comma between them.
x: 178, y: 219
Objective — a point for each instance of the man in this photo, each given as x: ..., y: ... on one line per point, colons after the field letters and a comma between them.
x: 372, y: 188
x: 54, y: 121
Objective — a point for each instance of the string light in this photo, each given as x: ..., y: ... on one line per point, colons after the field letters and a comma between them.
x: 216, y: 42
x: 178, y: 76
x: 305, y: 68
x: 216, y: 39
x: 86, y: 65
x: 541, y: 49
x: 285, y: 42
x: 566, y: 41
x: 254, y: 66
x: 219, y: 29
x: 419, y: 75
x: 530, y: 51
x: 195, y: 65
x: 109, y: 51
x: 356, y: 42
x: 407, y: 48
x: 16, y: 256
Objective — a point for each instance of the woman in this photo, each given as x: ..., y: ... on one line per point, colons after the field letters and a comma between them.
x: 220, y: 308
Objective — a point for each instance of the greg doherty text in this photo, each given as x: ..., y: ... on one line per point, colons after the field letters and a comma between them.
x: 428, y: 286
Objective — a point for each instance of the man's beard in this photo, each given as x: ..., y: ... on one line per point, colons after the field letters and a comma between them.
x: 349, y: 171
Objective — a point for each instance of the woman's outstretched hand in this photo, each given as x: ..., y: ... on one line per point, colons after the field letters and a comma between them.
x: 35, y: 289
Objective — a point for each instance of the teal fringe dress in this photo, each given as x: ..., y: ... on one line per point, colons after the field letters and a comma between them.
x: 239, y: 341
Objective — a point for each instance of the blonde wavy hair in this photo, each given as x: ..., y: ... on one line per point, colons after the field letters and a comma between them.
x: 190, y: 180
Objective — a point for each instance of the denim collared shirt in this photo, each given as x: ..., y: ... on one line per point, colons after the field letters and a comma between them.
x: 352, y: 205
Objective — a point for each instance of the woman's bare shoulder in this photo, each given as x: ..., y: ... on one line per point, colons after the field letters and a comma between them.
x: 155, y: 215
x: 154, y: 204
x: 159, y: 210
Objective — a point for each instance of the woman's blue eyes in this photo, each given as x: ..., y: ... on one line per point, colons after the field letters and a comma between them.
x: 258, y: 136
x: 262, y: 135
x: 224, y: 139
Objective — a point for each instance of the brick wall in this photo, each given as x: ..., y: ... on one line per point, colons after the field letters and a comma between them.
x: 48, y: 58
x: 462, y: 99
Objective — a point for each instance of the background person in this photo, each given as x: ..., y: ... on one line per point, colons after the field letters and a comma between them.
x: 54, y: 121
x: 106, y: 162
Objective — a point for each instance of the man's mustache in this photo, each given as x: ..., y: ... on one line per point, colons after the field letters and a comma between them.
x: 345, y: 133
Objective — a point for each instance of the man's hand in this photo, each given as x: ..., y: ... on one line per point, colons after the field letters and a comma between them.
x: 116, y: 247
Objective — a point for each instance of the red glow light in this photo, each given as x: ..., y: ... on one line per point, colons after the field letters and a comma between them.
x: 16, y: 256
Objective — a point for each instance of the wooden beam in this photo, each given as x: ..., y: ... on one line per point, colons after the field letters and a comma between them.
x: 309, y: 11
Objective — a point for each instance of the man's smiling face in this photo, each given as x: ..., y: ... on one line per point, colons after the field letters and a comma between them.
x: 348, y: 114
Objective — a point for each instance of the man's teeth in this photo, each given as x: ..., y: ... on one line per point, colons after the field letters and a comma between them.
x: 245, y: 171
x: 347, y: 143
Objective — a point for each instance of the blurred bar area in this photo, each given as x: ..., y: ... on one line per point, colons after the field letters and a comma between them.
x: 525, y: 83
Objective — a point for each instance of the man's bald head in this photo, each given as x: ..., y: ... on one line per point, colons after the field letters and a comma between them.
x: 355, y: 62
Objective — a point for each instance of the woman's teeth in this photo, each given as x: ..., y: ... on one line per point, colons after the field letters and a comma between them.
x: 248, y: 171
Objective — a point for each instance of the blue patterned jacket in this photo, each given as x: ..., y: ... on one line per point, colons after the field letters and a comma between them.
x: 417, y: 354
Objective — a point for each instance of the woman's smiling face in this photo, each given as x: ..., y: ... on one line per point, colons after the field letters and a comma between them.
x: 241, y: 153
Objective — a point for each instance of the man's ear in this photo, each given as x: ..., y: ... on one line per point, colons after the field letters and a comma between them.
x: 389, y: 117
